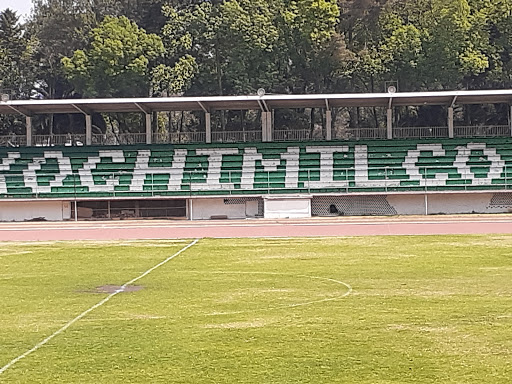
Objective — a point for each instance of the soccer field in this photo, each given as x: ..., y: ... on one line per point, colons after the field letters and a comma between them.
x: 409, y: 309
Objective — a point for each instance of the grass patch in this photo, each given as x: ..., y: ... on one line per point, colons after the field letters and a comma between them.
x: 423, y: 309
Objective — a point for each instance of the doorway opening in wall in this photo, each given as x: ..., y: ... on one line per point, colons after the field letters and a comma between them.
x: 130, y: 209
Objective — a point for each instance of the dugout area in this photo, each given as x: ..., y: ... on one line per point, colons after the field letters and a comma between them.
x: 130, y: 209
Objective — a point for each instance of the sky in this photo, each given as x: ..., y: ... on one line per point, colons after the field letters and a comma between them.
x: 22, y: 7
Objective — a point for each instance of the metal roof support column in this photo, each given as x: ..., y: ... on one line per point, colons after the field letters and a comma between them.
x: 88, y: 130
x: 263, y: 127
x: 28, y: 124
x: 270, y: 124
x: 266, y: 126
x: 450, y: 122
x: 328, y: 124
x: 208, y: 123
x: 328, y: 121
x: 149, y: 130
x: 389, y: 124
x: 510, y: 119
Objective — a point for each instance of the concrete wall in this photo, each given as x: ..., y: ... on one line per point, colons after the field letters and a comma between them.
x: 276, y: 208
x: 28, y: 210
x: 203, y: 209
x: 444, y: 203
x: 293, y: 207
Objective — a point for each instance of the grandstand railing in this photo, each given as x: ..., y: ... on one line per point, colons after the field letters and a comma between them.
x: 297, y: 135
x: 256, y: 136
x: 51, y: 140
x: 481, y: 131
x: 119, y: 139
x: 382, y: 180
x: 179, y: 137
x: 419, y: 132
x: 236, y: 136
x: 13, y: 141
x: 360, y: 134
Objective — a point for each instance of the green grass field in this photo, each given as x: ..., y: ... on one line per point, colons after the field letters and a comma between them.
x: 417, y: 309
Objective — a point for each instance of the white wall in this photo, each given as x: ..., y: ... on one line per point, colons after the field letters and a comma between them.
x: 27, y: 210
x: 444, y: 203
x: 203, y: 209
x: 276, y: 208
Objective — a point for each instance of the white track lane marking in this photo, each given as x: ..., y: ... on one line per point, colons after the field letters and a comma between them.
x: 237, y: 225
x: 70, y: 323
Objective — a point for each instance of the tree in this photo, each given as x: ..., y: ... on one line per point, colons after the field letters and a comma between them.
x: 16, y: 57
x: 117, y: 63
x: 17, y: 66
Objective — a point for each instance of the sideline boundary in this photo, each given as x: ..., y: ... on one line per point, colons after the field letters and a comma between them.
x: 80, y: 316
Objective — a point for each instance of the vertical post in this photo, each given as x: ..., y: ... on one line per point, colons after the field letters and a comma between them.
x: 264, y: 129
x: 75, y: 202
x: 389, y: 124
x: 328, y: 124
x: 426, y: 204
x: 208, y: 123
x: 88, y: 130
x: 450, y: 122
x: 510, y: 120
x: 28, y: 123
x: 270, y: 126
x: 149, y: 131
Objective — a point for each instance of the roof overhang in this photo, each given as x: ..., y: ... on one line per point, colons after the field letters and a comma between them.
x: 253, y: 102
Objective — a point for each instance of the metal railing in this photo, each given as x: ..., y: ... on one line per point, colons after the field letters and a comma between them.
x: 482, y: 131
x: 51, y: 140
x: 120, y: 139
x: 419, y: 132
x: 236, y: 137
x: 297, y: 135
x: 231, y: 183
x: 13, y: 141
x: 256, y: 136
x: 179, y: 137
x: 361, y: 134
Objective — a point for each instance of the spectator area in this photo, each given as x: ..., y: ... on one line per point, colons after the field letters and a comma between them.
x: 256, y: 169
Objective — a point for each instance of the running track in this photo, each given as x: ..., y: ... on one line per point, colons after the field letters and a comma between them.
x: 174, y: 229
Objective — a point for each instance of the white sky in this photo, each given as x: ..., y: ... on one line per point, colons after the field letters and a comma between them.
x: 22, y: 7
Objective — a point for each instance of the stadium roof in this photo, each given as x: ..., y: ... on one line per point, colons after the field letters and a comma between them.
x: 265, y: 103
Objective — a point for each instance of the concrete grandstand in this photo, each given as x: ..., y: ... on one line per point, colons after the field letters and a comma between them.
x: 269, y: 172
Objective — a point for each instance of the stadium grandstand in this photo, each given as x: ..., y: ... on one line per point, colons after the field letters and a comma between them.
x: 268, y: 170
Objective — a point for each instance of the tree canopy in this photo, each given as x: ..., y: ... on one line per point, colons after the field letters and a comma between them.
x: 79, y: 48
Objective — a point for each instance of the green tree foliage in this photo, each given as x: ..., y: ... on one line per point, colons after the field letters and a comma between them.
x: 61, y: 27
x: 221, y: 47
x: 117, y: 63
x: 242, y: 45
x: 16, y: 57
x: 17, y: 66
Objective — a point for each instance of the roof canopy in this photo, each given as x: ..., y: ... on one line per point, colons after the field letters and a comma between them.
x: 265, y: 103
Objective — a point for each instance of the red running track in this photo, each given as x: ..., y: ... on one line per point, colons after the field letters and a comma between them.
x: 343, y: 226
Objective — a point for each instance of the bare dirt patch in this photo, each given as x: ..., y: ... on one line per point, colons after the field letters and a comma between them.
x: 239, y: 325
x: 111, y: 288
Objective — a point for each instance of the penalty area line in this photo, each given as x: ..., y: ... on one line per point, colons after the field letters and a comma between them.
x: 80, y: 316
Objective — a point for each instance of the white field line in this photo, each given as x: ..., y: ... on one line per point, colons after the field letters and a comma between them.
x: 349, y: 291
x: 80, y: 316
